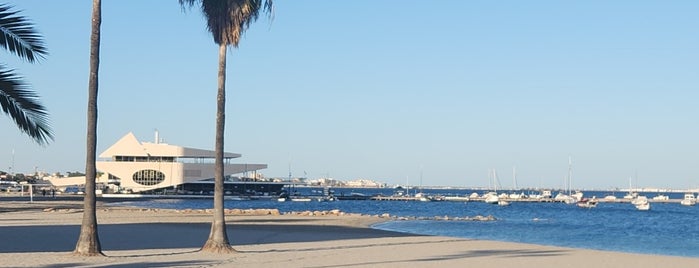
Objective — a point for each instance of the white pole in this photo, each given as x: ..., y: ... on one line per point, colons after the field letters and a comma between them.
x: 570, y: 173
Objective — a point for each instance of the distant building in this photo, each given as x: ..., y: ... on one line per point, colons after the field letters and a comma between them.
x: 364, y: 183
x: 143, y: 166
x: 325, y: 182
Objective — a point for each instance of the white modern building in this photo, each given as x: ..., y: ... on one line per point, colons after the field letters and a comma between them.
x: 144, y: 166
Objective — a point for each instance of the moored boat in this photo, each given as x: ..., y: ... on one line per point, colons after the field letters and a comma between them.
x: 588, y: 203
x: 641, y: 203
x: 561, y: 197
x: 610, y: 197
x: 661, y: 197
x: 491, y: 198
x: 689, y: 200
x: 422, y: 197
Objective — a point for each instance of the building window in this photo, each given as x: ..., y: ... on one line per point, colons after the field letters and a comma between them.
x: 148, y: 177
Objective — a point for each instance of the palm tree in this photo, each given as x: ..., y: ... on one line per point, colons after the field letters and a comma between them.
x: 88, y: 242
x: 18, y: 36
x: 226, y: 20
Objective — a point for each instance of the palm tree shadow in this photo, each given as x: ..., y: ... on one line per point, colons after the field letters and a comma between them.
x: 155, y: 254
x: 465, y: 255
x: 192, y: 263
x: 505, y: 253
x: 349, y: 246
x: 143, y: 236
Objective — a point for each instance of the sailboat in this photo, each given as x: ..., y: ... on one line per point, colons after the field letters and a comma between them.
x: 421, y: 196
x: 514, y: 194
x: 568, y: 198
x: 639, y: 201
x: 492, y: 197
x: 631, y: 194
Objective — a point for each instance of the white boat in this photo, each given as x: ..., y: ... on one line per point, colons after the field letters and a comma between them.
x: 422, y: 197
x: 610, y: 197
x: 545, y: 194
x: 661, y: 197
x: 641, y: 199
x: 517, y: 195
x: 631, y: 195
x: 570, y: 198
x: 491, y: 198
x: 641, y: 203
x: 561, y: 197
x: 689, y: 200
x: 643, y: 207
x: 503, y: 203
x: 588, y: 203
x: 301, y: 199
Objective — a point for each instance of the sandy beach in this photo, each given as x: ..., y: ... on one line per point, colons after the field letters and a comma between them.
x: 43, y: 234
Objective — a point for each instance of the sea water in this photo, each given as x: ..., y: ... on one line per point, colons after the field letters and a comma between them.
x: 667, y: 229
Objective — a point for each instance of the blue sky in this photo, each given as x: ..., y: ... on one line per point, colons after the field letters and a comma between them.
x: 384, y: 89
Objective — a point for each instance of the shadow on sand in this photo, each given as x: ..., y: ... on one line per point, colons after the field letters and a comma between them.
x: 55, y: 238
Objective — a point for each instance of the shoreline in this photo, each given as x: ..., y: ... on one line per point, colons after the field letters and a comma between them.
x: 161, y: 237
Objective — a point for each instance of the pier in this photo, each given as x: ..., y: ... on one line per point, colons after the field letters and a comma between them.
x: 510, y: 200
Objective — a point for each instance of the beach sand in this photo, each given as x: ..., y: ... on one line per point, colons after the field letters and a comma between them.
x: 44, y: 233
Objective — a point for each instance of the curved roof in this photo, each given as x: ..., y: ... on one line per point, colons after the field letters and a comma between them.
x: 130, y: 146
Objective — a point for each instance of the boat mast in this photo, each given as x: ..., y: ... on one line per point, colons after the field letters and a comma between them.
x: 407, y: 188
x: 495, y: 180
x: 570, y: 173
x: 420, y: 178
x: 514, y: 177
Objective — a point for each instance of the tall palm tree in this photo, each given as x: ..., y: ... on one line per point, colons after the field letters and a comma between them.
x: 18, y: 36
x: 88, y: 242
x: 226, y: 20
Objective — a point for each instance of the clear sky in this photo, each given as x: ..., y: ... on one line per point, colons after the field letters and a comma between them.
x: 387, y: 90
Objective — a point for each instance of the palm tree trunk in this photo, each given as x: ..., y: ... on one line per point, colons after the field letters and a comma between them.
x: 218, y: 239
x: 88, y: 242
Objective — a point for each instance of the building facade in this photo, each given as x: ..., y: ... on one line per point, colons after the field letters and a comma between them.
x: 137, y: 166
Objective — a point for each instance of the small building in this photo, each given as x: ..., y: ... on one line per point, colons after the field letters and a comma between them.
x: 145, y: 167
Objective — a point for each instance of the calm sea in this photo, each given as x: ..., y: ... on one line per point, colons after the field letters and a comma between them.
x: 667, y: 229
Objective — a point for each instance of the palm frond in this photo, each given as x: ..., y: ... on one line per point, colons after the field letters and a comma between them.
x: 17, y: 35
x: 228, y: 19
x: 22, y: 105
